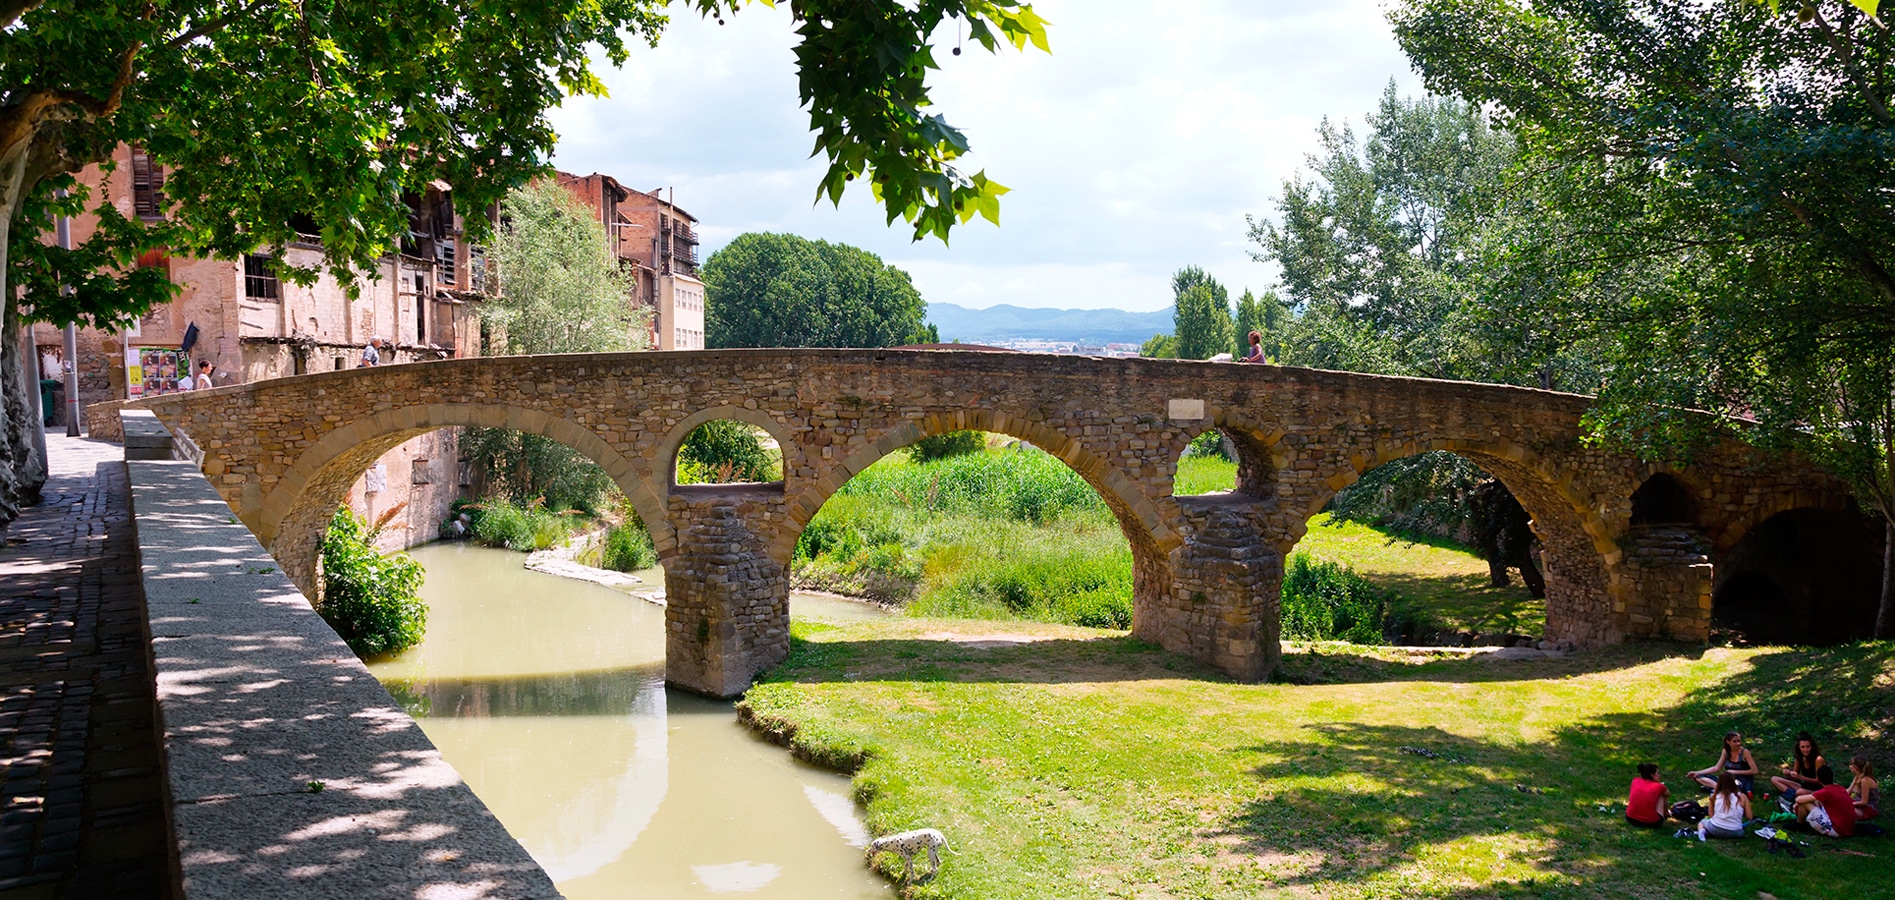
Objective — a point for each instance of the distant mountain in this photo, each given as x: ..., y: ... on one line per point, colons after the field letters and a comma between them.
x: 1009, y: 323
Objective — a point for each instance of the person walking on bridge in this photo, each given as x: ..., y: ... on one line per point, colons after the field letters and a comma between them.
x: 371, y: 354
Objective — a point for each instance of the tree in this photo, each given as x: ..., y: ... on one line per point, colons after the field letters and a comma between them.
x: 1159, y: 346
x: 1392, y: 240
x: 1201, y: 319
x: 1722, y: 171
x: 560, y: 290
x: 780, y: 290
x: 263, y: 112
x: 724, y: 451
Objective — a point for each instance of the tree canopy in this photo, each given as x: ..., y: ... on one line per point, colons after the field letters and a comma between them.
x: 1719, y: 201
x: 780, y: 290
x: 1200, y: 319
x: 560, y: 289
x: 265, y: 112
x: 1394, y: 252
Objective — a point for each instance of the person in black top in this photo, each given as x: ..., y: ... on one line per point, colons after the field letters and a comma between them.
x: 1800, y: 774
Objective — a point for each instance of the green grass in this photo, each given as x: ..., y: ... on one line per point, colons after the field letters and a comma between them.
x: 1435, y: 578
x: 1203, y: 475
x: 1017, y: 534
x: 1088, y: 765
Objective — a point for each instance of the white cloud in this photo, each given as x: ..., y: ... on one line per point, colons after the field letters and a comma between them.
x: 1135, y: 148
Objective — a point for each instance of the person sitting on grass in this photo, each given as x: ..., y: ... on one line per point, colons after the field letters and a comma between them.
x: 1730, y: 806
x: 1800, y: 774
x: 1865, y: 789
x: 1647, y: 805
x: 1735, y: 758
x: 1828, y: 809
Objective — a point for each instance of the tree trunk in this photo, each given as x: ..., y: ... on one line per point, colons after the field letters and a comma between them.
x: 22, y: 438
x: 1530, y: 573
x: 1497, y: 571
x: 1885, y: 619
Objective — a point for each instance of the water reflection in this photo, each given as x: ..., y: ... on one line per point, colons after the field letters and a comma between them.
x: 548, y: 696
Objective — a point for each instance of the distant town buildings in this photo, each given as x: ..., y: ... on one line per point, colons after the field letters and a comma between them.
x: 1073, y: 348
x: 423, y: 304
x: 657, y: 242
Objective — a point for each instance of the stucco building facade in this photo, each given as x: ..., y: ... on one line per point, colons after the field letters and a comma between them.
x: 253, y: 325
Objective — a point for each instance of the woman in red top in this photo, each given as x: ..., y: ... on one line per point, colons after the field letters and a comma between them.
x: 1646, y: 805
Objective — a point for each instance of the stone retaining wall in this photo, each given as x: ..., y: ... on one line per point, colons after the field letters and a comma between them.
x: 292, y: 773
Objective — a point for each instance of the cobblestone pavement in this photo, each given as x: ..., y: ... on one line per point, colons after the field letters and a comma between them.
x: 81, y: 805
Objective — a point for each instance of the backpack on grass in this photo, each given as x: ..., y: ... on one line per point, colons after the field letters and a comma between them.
x: 1688, y: 811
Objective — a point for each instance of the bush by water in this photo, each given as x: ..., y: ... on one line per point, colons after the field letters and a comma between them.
x: 498, y: 522
x: 372, y: 599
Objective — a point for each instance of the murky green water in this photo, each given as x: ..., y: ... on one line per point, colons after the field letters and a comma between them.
x: 548, y: 696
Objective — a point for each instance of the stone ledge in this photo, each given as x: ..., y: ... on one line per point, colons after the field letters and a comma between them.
x: 259, y: 699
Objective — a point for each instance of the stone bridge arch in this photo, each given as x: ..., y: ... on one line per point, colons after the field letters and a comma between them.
x: 1578, y: 551
x: 1146, y: 526
x: 291, y: 518
x: 673, y: 441
x: 283, y: 453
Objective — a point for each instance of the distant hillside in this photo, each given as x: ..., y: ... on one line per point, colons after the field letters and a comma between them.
x: 1004, y: 323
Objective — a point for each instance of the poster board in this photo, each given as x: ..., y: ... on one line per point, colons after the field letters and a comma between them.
x: 154, y: 371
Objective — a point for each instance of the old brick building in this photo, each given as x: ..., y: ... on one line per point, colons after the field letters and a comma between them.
x: 657, y: 242
x: 252, y: 325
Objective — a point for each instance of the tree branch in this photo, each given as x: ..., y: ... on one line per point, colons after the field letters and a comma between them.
x: 214, y: 25
x: 1840, y: 45
x: 12, y: 10
x: 127, y: 68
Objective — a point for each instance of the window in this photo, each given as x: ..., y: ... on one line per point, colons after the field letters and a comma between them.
x: 259, y: 278
x: 147, y: 186
x: 422, y: 474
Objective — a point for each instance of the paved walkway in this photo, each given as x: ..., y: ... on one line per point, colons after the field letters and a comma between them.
x: 81, y: 805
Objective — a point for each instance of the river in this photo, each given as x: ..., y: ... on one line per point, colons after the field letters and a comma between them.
x: 548, y: 696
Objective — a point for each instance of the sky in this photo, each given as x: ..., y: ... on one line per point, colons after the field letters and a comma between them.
x: 1135, y: 148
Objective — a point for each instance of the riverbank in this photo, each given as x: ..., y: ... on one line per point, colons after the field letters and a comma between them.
x: 1066, y: 762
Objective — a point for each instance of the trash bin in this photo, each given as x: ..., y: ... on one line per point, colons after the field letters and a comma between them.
x: 50, y: 390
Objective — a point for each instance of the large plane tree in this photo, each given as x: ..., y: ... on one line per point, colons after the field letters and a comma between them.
x: 265, y: 111
x: 1719, y: 182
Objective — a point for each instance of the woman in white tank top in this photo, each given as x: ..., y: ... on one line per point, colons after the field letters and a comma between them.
x: 1729, y: 808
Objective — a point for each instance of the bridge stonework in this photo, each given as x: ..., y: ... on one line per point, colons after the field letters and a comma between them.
x: 1207, y: 570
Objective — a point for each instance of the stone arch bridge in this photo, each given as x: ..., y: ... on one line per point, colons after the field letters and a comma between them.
x: 1208, y: 569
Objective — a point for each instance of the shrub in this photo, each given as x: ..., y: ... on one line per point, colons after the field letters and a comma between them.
x: 372, y: 600
x: 1210, y: 443
x: 500, y: 523
x: 523, y: 467
x: 627, y: 547
x: 1327, y: 601
x: 942, y: 446
x: 724, y: 452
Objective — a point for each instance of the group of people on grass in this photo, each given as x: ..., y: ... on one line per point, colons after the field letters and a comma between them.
x: 1806, y: 787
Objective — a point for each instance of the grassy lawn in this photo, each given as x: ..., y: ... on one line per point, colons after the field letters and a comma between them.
x: 1441, y: 578
x: 1067, y: 762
